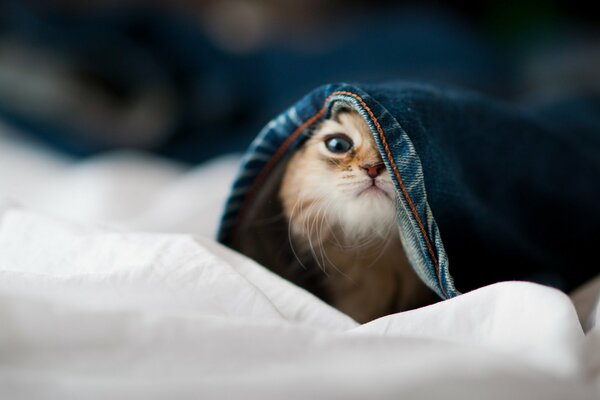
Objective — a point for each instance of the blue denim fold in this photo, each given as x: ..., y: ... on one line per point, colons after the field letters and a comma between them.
x: 487, y: 190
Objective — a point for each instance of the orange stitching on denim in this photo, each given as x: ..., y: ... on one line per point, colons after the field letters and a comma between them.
x: 401, y: 182
x: 267, y: 168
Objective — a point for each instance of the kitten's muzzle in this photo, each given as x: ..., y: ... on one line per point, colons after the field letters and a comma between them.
x: 373, y: 170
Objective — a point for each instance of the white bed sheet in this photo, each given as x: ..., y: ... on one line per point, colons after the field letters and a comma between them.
x: 111, y: 287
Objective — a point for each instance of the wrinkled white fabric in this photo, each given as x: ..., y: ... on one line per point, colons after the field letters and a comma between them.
x: 113, y: 290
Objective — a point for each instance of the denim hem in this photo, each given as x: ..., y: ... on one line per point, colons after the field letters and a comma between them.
x: 418, y: 230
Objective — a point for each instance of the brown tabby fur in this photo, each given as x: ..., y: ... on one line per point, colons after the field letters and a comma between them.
x: 350, y: 233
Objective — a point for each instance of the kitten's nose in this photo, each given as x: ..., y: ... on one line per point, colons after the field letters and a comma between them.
x: 373, y: 170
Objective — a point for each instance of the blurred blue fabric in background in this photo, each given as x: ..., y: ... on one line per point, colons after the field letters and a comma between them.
x: 154, y: 80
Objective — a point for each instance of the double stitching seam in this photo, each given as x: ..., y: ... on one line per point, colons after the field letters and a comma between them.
x: 279, y: 153
x: 402, y: 187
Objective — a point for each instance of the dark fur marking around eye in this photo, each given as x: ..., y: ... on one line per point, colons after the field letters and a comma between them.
x: 331, y: 162
x: 337, y: 163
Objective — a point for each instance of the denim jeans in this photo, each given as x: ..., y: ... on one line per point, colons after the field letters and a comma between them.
x: 486, y: 190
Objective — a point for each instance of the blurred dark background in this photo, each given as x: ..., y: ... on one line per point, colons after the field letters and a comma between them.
x: 193, y: 79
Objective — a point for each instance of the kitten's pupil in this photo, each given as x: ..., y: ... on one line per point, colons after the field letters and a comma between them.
x: 338, y: 144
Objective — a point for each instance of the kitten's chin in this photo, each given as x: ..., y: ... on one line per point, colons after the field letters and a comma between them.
x: 371, y: 214
x: 373, y: 192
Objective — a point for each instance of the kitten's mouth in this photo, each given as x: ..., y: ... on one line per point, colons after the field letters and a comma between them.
x: 373, y: 189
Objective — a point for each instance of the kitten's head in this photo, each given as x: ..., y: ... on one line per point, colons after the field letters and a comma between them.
x: 337, y: 180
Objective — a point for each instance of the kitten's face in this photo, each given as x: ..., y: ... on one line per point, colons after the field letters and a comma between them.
x: 338, y: 178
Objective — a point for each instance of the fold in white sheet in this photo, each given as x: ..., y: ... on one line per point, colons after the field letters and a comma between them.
x: 96, y: 313
x: 125, y: 189
x: 95, y: 310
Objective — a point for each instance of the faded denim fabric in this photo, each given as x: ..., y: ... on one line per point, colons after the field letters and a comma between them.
x: 487, y: 191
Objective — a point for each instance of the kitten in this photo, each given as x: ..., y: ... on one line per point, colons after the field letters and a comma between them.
x: 340, y: 204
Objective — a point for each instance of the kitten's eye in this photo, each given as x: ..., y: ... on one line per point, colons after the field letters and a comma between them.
x: 338, y: 143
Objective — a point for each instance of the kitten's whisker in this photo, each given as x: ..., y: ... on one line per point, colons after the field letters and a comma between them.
x: 319, y: 234
x: 332, y: 230
x: 290, y: 235
x: 324, y: 212
x: 312, y: 248
x: 337, y: 163
x: 314, y: 224
x: 327, y: 207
